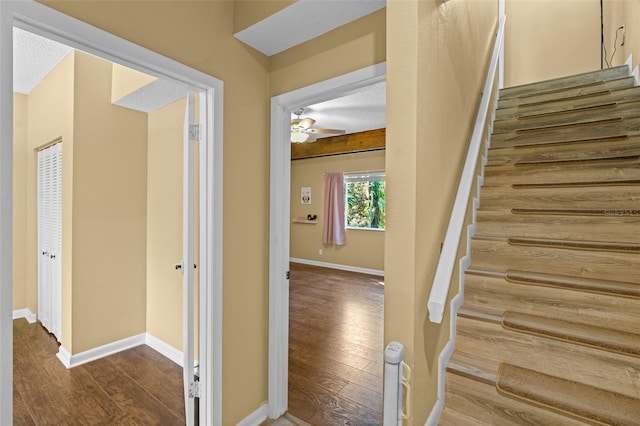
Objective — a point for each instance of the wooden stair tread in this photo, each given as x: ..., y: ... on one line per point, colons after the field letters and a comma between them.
x: 605, y: 158
x: 609, y: 73
x: 486, y: 406
x: 567, y: 141
x: 497, y: 254
x: 567, y: 92
x: 576, y: 212
x: 493, y: 343
x: 576, y: 399
x: 581, y: 184
x: 573, y: 244
x: 539, y: 114
x: 629, y: 94
x: 543, y: 119
x: 589, y: 335
x: 624, y: 148
x: 456, y: 418
x: 620, y: 288
x: 495, y: 295
x: 572, y: 124
x: 562, y: 89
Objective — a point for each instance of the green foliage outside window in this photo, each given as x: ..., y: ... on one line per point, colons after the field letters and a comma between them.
x: 366, y: 204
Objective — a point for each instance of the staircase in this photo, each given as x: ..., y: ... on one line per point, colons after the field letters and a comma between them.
x: 549, y: 332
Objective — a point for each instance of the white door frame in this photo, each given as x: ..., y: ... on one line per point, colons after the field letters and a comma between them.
x: 279, y: 216
x: 54, y: 25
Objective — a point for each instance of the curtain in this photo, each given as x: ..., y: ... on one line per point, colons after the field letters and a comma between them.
x: 334, y: 230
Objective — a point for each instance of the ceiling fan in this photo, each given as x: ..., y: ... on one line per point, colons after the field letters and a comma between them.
x: 301, y: 130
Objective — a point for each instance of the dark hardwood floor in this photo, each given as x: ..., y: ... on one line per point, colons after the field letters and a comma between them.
x: 134, y: 387
x: 335, y: 346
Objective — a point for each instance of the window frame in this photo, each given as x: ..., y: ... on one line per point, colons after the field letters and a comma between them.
x: 367, y: 176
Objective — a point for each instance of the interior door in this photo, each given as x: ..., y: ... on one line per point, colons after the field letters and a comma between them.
x: 49, y: 199
x: 191, y: 385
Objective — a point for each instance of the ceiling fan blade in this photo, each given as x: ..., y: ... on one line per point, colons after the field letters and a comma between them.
x: 306, y: 122
x: 326, y: 131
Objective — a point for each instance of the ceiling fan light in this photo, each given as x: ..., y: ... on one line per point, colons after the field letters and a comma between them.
x: 299, y: 137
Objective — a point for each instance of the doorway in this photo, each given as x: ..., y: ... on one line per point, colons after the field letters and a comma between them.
x: 48, y: 23
x: 279, y: 222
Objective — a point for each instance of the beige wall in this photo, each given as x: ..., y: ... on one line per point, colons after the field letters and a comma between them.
x: 125, y: 81
x: 551, y: 38
x: 619, y: 13
x: 20, y: 112
x: 50, y: 118
x: 164, y: 223
x: 351, y: 47
x: 364, y: 248
x: 109, y: 211
x: 438, y: 56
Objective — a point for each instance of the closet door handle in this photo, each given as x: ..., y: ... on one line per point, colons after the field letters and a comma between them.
x: 45, y: 253
x: 53, y: 256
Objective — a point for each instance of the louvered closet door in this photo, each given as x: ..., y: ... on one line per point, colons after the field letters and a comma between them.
x: 50, y: 238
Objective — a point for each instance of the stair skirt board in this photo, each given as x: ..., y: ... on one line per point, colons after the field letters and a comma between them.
x: 588, y: 403
x: 168, y: 351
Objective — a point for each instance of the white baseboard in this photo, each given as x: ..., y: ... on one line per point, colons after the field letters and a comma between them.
x: 26, y: 314
x: 338, y: 266
x: 255, y: 418
x: 71, y: 361
x: 164, y: 349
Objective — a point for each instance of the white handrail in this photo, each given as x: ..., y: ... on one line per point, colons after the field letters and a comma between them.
x: 446, y: 263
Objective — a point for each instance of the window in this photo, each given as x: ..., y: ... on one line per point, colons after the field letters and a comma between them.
x: 365, y: 200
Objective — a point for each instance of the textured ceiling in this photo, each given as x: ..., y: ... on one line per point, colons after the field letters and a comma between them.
x: 34, y: 57
x: 357, y: 112
x: 303, y: 21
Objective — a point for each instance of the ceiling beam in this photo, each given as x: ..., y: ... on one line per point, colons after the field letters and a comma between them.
x: 371, y: 140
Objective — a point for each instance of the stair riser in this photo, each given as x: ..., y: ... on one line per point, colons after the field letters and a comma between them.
x: 630, y: 94
x: 618, y: 84
x: 588, y: 150
x: 594, y: 76
x: 590, y: 366
x: 609, y: 171
x: 626, y: 110
x: 630, y: 127
x: 482, y: 402
x: 620, y: 200
x: 609, y: 229
x: 619, y: 313
x: 500, y: 256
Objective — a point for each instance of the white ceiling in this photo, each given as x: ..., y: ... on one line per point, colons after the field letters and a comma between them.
x: 303, y: 21
x: 357, y: 112
x: 35, y: 57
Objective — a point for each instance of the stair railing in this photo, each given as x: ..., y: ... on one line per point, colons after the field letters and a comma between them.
x: 448, y: 255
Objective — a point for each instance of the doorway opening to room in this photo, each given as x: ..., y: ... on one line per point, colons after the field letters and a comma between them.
x: 102, y: 193
x: 326, y: 322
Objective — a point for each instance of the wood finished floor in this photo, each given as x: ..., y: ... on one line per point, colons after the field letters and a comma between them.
x: 134, y: 387
x: 335, y: 346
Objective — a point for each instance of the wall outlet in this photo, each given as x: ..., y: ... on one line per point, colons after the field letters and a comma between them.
x: 320, y: 252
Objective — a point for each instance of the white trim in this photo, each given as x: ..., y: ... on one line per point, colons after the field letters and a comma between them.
x: 71, y: 361
x: 458, y: 299
x: 501, y: 14
x: 163, y: 348
x: 446, y: 262
x: 279, y: 217
x: 26, y: 314
x: 46, y: 22
x: 338, y: 266
x: 256, y: 418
